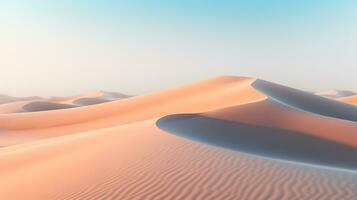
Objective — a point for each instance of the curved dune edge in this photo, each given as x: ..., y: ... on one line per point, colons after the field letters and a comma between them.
x: 13, y: 107
x: 164, y: 167
x: 70, y: 99
x: 334, y: 94
x: 55, y: 103
x: 260, y: 140
x: 351, y: 100
x: 306, y: 101
x: 272, y: 114
x: 4, y: 99
x: 216, y: 93
x: 16, y: 105
x: 89, y: 101
x: 45, y: 106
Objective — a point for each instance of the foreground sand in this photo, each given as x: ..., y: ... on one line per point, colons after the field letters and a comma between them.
x: 115, y: 150
x: 139, y: 161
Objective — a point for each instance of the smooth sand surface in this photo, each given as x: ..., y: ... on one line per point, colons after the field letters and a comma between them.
x: 115, y: 150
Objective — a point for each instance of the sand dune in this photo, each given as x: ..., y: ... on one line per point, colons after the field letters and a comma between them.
x: 45, y: 106
x: 125, y: 149
x: 215, y: 93
x: 13, y: 107
x: 104, y: 97
x: 55, y: 103
x: 89, y: 101
x: 290, y: 124
x: 350, y: 100
x: 306, y: 101
x: 8, y: 99
x: 113, y: 95
x: 336, y: 93
x: 265, y: 141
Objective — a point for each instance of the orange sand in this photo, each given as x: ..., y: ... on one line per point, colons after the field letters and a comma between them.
x: 350, y: 100
x: 115, y: 151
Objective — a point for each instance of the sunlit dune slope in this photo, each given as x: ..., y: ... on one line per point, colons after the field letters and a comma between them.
x: 13, y: 107
x: 201, y: 96
x: 350, y: 100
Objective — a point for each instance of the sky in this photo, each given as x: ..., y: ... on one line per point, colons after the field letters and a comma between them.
x: 57, y: 48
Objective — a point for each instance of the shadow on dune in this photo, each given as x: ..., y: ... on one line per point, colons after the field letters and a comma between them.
x: 44, y: 106
x: 306, y: 101
x: 114, y: 95
x: 259, y: 140
x: 90, y: 101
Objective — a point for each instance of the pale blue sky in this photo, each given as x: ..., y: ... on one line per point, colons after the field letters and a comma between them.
x: 69, y: 47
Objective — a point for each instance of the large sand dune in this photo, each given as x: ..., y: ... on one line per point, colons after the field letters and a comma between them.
x: 125, y: 149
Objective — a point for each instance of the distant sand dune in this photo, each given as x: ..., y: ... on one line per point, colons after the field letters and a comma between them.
x: 103, y: 97
x: 336, y: 93
x: 13, y: 107
x: 45, y: 106
x: 89, y: 101
x: 307, y: 101
x: 350, y: 100
x: 15, y: 104
x: 8, y: 99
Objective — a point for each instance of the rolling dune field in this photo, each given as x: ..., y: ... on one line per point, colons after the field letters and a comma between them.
x: 223, y: 138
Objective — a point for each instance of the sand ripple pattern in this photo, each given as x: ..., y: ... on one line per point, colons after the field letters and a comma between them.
x: 180, y: 169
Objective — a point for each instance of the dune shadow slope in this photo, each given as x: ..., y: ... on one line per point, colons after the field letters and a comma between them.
x: 260, y: 140
x: 90, y: 101
x: 306, y: 101
x: 45, y: 106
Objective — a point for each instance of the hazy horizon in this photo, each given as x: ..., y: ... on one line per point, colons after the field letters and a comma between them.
x: 64, y: 48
